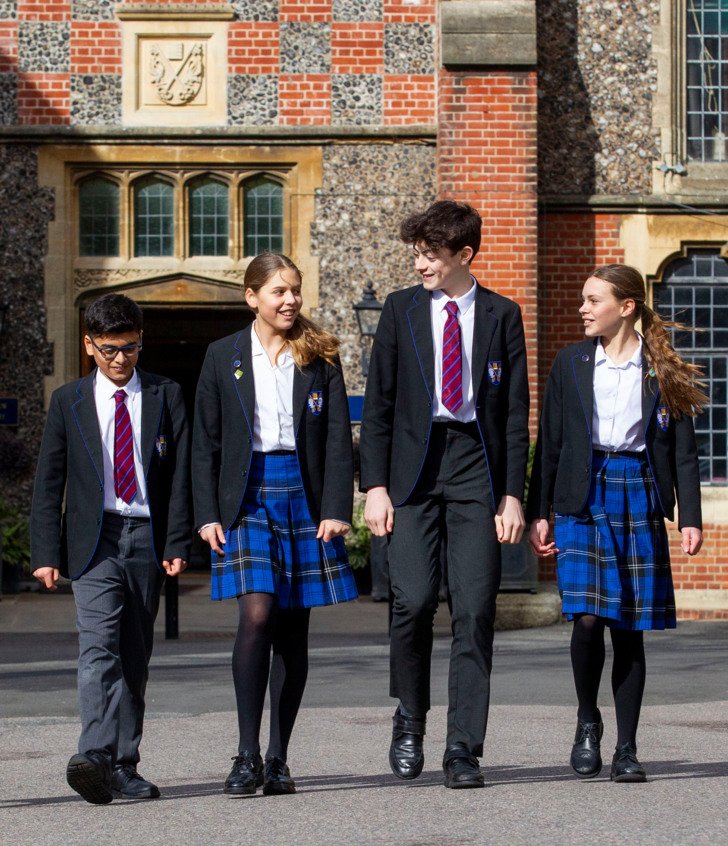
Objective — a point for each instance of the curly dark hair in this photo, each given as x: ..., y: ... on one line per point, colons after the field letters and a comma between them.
x: 445, y: 223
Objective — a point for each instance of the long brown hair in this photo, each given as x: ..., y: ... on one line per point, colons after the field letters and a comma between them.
x: 305, y: 339
x: 680, y: 382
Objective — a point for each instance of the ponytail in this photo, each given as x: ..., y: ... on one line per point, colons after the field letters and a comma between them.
x: 680, y: 382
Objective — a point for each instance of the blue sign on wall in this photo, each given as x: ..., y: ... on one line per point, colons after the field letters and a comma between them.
x: 356, y: 406
x: 8, y: 411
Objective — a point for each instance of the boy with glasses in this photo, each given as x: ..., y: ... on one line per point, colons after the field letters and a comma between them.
x: 111, y: 511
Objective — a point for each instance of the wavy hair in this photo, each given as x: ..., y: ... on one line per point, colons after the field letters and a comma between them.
x: 306, y: 340
x: 681, y: 385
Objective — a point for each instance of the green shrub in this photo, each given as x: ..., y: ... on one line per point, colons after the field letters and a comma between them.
x: 15, y: 533
x: 357, y: 541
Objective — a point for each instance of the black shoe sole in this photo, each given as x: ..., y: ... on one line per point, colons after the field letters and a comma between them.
x: 278, y: 789
x: 118, y: 794
x: 244, y: 791
x: 628, y: 778
x: 404, y: 776
x: 464, y: 785
x: 83, y: 777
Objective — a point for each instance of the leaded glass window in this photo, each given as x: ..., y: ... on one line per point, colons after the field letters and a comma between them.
x: 707, y: 80
x: 694, y: 291
x: 263, y: 216
x: 209, y: 218
x: 153, y: 218
x: 98, y: 222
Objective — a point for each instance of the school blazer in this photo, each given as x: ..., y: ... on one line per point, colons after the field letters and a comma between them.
x: 70, y: 465
x: 397, y: 418
x: 562, y: 464
x: 222, y: 446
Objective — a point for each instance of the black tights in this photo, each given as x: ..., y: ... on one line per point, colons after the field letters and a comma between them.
x: 263, y: 625
x: 628, y: 673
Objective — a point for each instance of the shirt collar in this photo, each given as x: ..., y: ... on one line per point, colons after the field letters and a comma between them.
x: 109, y: 388
x: 463, y: 303
x: 600, y: 356
x: 256, y: 349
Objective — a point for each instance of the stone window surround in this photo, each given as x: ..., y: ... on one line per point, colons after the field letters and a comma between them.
x: 669, y: 113
x: 651, y: 242
x: 207, y: 280
x: 181, y: 181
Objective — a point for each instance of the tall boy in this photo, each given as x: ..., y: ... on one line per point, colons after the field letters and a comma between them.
x: 444, y: 445
x: 115, y: 446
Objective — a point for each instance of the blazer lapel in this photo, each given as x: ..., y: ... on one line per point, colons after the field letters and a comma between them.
x: 241, y: 373
x: 583, y: 368
x: 650, y: 393
x: 151, y: 418
x: 84, y: 411
x: 302, y: 381
x: 420, y: 323
x: 484, y: 326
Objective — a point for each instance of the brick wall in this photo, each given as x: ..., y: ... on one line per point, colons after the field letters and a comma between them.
x: 487, y: 157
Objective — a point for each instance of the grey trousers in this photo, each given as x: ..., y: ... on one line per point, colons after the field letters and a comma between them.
x: 117, y: 600
x: 453, y: 494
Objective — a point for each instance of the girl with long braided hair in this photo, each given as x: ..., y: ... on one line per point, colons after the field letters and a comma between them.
x: 616, y: 450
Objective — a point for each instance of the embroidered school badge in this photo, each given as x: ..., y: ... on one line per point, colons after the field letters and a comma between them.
x: 494, y: 372
x: 663, y: 417
x: 161, y: 446
x: 315, y: 402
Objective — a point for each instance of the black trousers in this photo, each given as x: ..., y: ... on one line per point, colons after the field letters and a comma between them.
x: 452, y: 494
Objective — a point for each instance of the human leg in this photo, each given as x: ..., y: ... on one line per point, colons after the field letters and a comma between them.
x: 587, y: 661
x: 628, y: 684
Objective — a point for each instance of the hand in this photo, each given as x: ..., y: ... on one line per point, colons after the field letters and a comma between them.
x: 47, y: 576
x: 509, y: 520
x: 379, y: 512
x: 331, y: 529
x: 174, y: 566
x: 692, y: 540
x: 214, y: 535
x: 538, y: 538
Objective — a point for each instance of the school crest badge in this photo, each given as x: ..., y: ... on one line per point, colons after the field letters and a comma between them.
x: 315, y: 402
x: 494, y: 372
x: 161, y: 446
x: 663, y: 417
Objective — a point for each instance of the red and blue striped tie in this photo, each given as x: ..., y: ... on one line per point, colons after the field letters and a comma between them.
x: 125, y: 486
x: 452, y: 361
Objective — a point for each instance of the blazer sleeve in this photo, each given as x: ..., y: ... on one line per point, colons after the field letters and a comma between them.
x: 548, y: 449
x: 179, y: 527
x: 338, y: 483
x: 686, y: 473
x: 375, y: 439
x: 50, y: 485
x: 207, y: 444
x: 517, y: 437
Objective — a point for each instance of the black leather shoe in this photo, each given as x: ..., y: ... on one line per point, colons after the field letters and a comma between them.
x: 246, y: 775
x: 89, y: 774
x: 406, y: 757
x: 126, y: 783
x: 625, y: 766
x: 277, y: 779
x: 462, y: 769
x: 586, y: 759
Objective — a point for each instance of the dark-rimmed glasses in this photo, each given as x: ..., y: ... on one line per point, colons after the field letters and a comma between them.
x: 109, y: 351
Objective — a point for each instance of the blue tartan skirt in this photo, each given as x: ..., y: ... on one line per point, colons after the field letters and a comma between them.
x: 272, y: 547
x: 613, y: 559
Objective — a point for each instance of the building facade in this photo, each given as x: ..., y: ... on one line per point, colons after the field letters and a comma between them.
x: 155, y: 147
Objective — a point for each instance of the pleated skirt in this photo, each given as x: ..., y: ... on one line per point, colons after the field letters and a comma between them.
x: 613, y: 559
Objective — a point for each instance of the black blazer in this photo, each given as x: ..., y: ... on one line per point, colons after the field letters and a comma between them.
x: 71, y: 464
x: 397, y: 417
x: 222, y: 443
x: 562, y: 464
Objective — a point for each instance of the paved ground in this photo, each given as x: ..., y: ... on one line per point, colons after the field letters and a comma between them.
x: 347, y: 794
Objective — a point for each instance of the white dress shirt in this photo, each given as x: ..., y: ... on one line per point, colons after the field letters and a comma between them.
x: 104, y: 390
x: 466, y: 318
x: 273, y: 419
x: 617, y: 419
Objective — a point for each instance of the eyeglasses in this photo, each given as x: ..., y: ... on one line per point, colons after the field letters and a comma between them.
x: 109, y: 352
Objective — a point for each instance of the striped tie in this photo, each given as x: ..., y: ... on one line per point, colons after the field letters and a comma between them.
x: 452, y: 360
x: 125, y: 486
